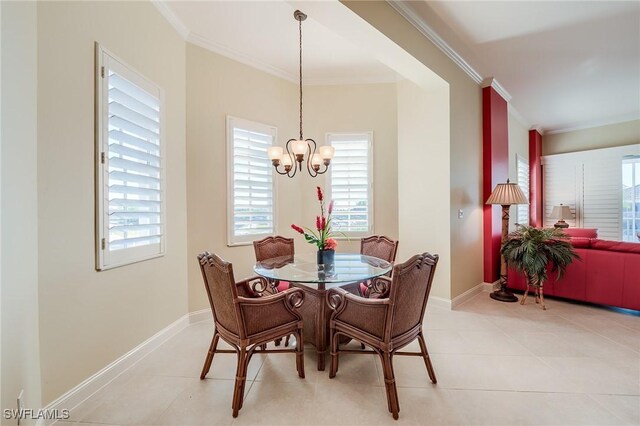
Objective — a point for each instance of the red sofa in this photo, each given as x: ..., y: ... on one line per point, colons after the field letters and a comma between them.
x: 607, y: 273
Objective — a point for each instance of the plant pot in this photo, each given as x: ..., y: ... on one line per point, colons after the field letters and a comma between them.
x: 325, y: 257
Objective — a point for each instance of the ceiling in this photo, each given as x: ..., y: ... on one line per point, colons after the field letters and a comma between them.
x: 264, y: 34
x: 566, y: 64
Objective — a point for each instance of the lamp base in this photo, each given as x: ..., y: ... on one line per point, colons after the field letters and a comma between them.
x: 561, y: 224
x: 503, y: 296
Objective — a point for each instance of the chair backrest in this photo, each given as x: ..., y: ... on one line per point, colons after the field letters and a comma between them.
x: 221, y: 290
x: 379, y: 246
x: 271, y: 247
x: 410, y: 290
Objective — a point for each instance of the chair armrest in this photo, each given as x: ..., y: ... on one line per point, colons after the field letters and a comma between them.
x: 380, y: 285
x: 252, y: 287
x: 368, y: 315
x: 263, y: 313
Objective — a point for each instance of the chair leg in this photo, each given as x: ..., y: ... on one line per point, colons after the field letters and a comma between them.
x: 390, y: 384
x: 241, y: 376
x: 334, y: 341
x: 299, y: 353
x: 209, y: 359
x: 427, y: 359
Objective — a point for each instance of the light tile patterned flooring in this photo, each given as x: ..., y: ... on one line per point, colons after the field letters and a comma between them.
x: 497, y: 364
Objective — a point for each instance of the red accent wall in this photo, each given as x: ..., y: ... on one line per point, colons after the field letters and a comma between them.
x: 535, y: 178
x: 495, y: 166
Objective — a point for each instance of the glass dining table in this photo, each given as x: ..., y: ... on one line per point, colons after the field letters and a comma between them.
x: 302, y: 271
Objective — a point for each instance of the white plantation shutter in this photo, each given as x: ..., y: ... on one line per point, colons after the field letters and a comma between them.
x: 591, y: 183
x: 601, y: 197
x: 351, y: 183
x: 522, y: 167
x: 131, y: 205
x: 562, y: 180
x: 251, y: 203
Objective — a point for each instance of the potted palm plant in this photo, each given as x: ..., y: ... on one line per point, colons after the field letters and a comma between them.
x: 530, y: 250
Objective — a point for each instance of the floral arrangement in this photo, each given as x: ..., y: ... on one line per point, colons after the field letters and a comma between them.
x: 323, y: 236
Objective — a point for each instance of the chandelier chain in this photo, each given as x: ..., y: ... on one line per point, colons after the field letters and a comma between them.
x: 300, y: 32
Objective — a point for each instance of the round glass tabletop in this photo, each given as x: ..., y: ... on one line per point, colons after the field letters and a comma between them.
x: 347, y: 267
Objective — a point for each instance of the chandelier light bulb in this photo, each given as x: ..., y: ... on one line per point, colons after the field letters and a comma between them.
x: 299, y: 147
x: 316, y: 160
x: 286, y: 161
x: 274, y: 153
x: 327, y: 152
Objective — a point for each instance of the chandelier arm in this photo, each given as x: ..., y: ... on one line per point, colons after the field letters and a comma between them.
x: 310, y: 170
x: 326, y: 168
x: 292, y: 158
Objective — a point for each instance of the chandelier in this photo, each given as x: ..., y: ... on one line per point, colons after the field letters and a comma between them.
x: 293, y: 159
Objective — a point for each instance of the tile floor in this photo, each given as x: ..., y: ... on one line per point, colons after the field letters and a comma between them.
x: 497, y: 364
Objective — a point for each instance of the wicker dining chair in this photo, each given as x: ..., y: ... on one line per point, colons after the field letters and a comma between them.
x: 381, y: 247
x: 246, y: 321
x: 268, y: 248
x: 386, y: 325
x: 271, y: 247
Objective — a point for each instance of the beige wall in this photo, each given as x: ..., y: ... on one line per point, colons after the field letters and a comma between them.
x: 465, y: 144
x: 217, y: 87
x: 518, y: 145
x: 89, y: 318
x: 356, y: 108
x: 626, y: 133
x: 19, y: 270
x: 423, y: 178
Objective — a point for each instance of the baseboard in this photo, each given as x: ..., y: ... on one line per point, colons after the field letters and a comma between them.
x: 441, y: 302
x: 90, y: 386
x: 201, y: 315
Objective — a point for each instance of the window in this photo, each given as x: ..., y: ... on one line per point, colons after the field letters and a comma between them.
x: 631, y: 199
x: 251, y: 194
x: 130, y: 211
x: 351, y: 183
x: 522, y: 166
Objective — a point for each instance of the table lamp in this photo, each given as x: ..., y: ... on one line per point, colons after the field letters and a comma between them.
x: 505, y: 194
x: 561, y: 213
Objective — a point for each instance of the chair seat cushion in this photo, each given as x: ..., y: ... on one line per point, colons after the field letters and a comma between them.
x: 283, y: 285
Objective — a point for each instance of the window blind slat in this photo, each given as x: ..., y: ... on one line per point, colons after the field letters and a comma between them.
x: 134, y: 104
x: 134, y: 153
x: 141, y: 144
x: 137, y: 130
x: 128, y: 165
x: 119, y: 110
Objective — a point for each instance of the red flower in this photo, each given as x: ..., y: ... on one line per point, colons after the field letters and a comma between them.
x: 319, y: 226
x: 330, y: 244
x: 297, y: 229
x: 319, y: 193
x: 324, y: 222
x: 331, y: 207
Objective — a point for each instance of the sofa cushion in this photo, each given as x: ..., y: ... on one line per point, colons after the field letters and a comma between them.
x: 582, y: 232
x: 580, y: 242
x: 615, y: 246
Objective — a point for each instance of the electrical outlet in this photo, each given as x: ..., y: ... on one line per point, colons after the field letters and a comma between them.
x: 460, y: 214
x: 19, y: 401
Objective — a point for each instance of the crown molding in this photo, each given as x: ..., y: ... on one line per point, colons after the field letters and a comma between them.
x: 538, y: 129
x: 490, y: 81
x: 408, y: 14
x: 173, y: 19
x: 223, y: 50
x: 596, y: 123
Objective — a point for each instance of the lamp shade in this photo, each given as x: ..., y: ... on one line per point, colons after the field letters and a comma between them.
x: 507, y: 194
x: 561, y: 212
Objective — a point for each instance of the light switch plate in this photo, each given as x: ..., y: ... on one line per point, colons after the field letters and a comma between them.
x: 460, y: 214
